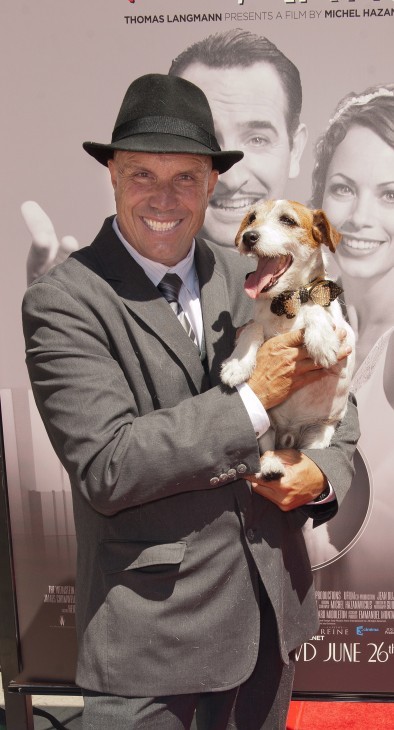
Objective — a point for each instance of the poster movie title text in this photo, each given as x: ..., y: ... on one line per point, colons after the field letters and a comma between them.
x: 262, y: 15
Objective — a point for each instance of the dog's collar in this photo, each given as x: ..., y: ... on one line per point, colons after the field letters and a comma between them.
x: 319, y: 291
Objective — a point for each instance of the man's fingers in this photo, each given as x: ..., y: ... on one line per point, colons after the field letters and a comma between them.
x: 40, y: 227
x: 294, y: 338
x: 68, y: 244
x: 45, y: 250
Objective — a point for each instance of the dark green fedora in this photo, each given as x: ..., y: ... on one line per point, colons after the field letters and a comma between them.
x: 165, y: 114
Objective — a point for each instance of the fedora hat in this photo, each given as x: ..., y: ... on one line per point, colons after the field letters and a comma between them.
x: 161, y: 113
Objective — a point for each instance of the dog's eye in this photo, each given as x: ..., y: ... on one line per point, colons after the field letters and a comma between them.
x: 287, y: 220
x: 251, y: 218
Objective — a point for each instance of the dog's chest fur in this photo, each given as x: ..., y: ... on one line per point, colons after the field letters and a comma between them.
x: 320, y: 403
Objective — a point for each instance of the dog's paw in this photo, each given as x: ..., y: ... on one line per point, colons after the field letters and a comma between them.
x: 271, y: 468
x: 323, y: 350
x: 233, y: 372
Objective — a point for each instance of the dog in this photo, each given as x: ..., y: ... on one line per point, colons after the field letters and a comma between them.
x: 291, y: 291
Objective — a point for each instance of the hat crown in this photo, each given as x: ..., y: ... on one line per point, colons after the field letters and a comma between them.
x: 157, y: 95
x: 165, y: 114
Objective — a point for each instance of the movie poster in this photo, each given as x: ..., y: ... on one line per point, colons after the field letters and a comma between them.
x: 65, y: 70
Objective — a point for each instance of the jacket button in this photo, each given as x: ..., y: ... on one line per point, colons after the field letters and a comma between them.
x: 241, y: 468
x: 214, y: 481
x: 223, y: 477
x: 250, y: 535
x: 232, y: 473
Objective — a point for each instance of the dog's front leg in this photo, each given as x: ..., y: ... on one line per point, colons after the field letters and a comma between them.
x: 271, y: 466
x: 321, y: 339
x: 239, y: 367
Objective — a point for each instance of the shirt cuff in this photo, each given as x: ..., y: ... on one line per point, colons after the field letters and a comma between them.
x: 256, y: 411
x: 329, y: 498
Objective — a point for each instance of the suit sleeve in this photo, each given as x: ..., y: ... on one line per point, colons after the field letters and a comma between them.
x: 116, y: 454
x: 336, y: 462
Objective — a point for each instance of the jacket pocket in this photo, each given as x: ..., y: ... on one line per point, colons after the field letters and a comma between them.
x: 118, y: 556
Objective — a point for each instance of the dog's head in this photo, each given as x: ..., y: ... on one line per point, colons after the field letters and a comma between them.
x: 286, y: 237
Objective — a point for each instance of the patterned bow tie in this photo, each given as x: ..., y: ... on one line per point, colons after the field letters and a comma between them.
x: 169, y: 287
x: 319, y: 291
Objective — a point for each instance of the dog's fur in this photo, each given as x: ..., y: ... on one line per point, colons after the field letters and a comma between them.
x: 289, y: 237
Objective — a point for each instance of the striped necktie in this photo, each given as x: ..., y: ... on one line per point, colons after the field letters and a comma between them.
x: 169, y: 287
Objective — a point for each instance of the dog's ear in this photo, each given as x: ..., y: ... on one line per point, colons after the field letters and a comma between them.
x: 323, y: 231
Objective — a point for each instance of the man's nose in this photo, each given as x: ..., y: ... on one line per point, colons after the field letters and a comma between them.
x: 232, y: 180
x: 163, y: 197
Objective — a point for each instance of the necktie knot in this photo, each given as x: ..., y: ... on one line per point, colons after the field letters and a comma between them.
x: 169, y: 287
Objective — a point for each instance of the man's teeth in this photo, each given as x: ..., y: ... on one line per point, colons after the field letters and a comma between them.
x: 360, y: 245
x: 232, y: 203
x: 160, y: 226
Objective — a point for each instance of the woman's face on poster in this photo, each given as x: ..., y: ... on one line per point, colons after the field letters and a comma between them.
x: 359, y: 201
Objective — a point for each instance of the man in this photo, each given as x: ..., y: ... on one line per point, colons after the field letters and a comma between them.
x: 255, y: 95
x: 193, y: 588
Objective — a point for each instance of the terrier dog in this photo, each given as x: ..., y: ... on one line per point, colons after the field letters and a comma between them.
x: 291, y: 292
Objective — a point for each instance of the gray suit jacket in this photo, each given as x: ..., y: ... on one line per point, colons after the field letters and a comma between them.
x: 171, y: 541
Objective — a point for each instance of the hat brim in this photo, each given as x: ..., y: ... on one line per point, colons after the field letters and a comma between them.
x: 163, y: 143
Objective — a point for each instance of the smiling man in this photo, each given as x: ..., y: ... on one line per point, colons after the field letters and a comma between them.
x: 161, y: 201
x: 193, y: 584
x: 255, y: 95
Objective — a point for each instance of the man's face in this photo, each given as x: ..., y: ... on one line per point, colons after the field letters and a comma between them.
x: 249, y: 108
x: 161, y: 201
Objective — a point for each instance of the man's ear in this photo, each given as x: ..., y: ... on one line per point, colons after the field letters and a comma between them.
x: 113, y: 172
x: 299, y: 142
x: 213, y: 178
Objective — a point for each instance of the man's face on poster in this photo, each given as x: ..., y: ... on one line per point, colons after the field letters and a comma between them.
x: 249, y: 108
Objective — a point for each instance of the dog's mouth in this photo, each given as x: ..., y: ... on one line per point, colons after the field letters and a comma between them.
x: 268, y: 272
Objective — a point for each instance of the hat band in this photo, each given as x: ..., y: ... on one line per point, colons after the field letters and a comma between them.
x: 165, y: 125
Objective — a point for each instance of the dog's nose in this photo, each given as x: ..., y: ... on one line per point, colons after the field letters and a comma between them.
x: 249, y: 238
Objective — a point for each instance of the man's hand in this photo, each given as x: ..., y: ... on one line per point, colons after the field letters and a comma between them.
x: 303, y: 481
x: 46, y: 251
x: 284, y: 366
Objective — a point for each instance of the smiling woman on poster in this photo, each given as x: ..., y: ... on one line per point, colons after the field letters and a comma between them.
x: 353, y: 181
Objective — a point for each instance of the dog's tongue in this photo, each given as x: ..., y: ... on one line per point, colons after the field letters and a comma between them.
x: 264, y: 275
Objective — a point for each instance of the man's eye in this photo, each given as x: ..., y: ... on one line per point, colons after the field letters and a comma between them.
x: 288, y: 221
x: 258, y: 141
x: 185, y: 178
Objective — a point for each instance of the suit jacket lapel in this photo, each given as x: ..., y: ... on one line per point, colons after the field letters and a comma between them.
x: 143, y: 300
x: 215, y: 308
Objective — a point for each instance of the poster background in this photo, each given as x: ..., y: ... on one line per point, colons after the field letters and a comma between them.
x: 65, y: 70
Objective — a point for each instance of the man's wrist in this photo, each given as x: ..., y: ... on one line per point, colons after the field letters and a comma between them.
x: 327, y: 491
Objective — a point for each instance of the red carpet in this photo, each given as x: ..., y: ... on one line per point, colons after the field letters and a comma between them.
x: 341, y: 716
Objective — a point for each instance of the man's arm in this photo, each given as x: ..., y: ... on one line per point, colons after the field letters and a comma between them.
x: 118, y: 454
x: 307, y: 473
x: 118, y: 450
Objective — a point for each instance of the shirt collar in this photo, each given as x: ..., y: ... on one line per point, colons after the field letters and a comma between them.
x: 155, y: 271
